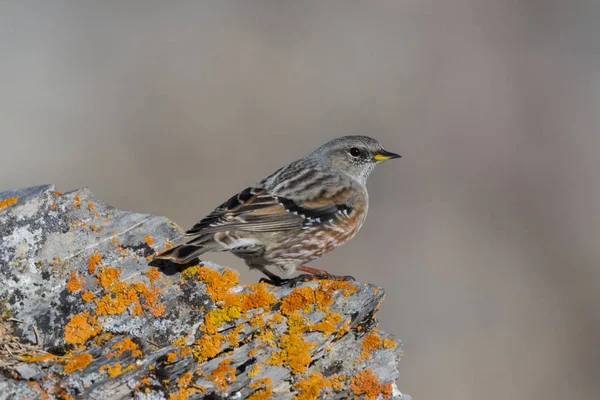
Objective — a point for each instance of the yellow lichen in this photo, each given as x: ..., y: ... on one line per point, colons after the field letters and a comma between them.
x: 125, y: 345
x: 366, y: 383
x: 80, y: 328
x: 311, y: 387
x: 77, y: 362
x: 214, y: 318
x: 223, y: 374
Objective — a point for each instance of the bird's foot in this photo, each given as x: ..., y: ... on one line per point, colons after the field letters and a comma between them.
x: 293, y: 282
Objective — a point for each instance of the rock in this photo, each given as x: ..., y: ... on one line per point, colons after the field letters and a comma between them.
x: 84, y: 315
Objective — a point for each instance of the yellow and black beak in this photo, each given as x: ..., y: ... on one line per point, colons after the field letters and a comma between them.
x: 384, y: 155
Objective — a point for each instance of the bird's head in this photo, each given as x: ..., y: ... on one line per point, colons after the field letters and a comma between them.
x: 356, y: 156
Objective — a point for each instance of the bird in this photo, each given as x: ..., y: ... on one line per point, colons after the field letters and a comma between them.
x: 293, y: 216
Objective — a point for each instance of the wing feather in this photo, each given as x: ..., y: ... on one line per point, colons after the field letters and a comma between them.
x: 256, y: 210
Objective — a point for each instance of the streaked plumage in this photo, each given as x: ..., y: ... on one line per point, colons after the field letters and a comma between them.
x: 293, y: 216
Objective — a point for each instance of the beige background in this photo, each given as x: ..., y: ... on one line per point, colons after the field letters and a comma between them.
x: 485, y: 235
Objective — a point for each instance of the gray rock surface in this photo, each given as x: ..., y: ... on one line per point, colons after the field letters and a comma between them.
x: 83, y: 315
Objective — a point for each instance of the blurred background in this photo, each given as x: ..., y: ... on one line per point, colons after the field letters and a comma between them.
x: 485, y: 235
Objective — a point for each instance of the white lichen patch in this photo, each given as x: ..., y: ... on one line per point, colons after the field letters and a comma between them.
x: 22, y: 244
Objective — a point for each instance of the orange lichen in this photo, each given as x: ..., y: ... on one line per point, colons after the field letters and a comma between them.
x: 172, y: 356
x: 74, y: 283
x: 253, y: 351
x: 257, y: 321
x: 300, y: 299
x: 261, y: 394
x: 217, y: 285
x: 108, y: 276
x: 294, y: 353
x: 94, y: 228
x: 223, y: 374
x: 56, y: 192
x: 180, y: 342
x: 153, y: 275
x: 149, y: 240
x: 77, y: 362
x: 207, y: 347
x: 365, y: 382
x: 80, y: 328
x: 266, y: 336
x: 115, y: 240
x: 103, y: 337
x: 87, y: 296
x: 53, y: 207
x: 254, y: 370
x: 232, y: 335
x: 114, y: 370
x: 328, y: 324
x: 259, y: 298
x: 276, y: 319
x: 373, y: 342
x: 343, y: 329
x: 186, y: 388
x: 151, y: 300
x: 375, y: 290
x: 263, y: 381
x: 93, y: 262
x: 116, y: 302
x: 8, y: 202
x: 40, y: 358
x: 337, y: 381
x: 91, y: 206
x: 77, y: 201
x: 125, y: 345
x: 311, y: 387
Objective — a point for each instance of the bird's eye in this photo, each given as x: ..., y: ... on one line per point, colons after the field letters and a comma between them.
x: 354, y: 152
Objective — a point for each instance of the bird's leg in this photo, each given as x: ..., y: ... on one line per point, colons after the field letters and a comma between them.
x: 309, y: 270
x: 314, y: 274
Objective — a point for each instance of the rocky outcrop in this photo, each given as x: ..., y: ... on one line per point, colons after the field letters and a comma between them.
x: 83, y: 315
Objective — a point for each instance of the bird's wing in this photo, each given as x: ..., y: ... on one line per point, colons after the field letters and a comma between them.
x: 256, y: 210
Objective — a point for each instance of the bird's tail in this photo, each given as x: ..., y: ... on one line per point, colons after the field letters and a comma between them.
x: 186, y: 251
